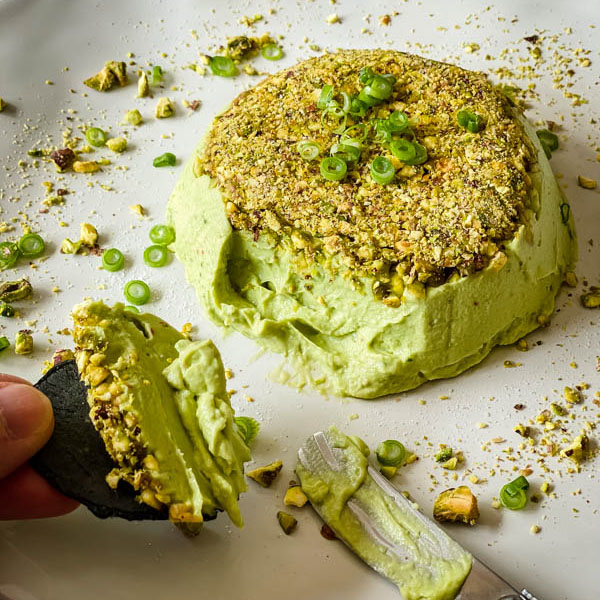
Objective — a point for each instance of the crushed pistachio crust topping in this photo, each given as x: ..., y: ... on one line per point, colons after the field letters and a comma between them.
x: 448, y: 216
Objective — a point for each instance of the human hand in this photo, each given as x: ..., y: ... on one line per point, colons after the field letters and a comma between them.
x: 26, y: 423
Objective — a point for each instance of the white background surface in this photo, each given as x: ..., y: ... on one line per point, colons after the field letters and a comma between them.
x: 79, y: 556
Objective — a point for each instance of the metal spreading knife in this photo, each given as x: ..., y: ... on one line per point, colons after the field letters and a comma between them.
x: 320, y: 458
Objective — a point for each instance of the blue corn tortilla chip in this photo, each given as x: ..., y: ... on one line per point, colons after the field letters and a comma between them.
x: 75, y: 460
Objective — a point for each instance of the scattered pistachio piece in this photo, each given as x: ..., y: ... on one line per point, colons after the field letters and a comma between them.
x: 63, y: 158
x: 164, y: 108
x: 592, y: 298
x: 23, y: 342
x: 521, y: 429
x: 69, y: 247
x: 133, y: 117
x: 444, y: 454
x: 119, y: 69
x: 388, y: 471
x: 2, y: 104
x: 86, y: 166
x: 586, y: 182
x: 11, y: 291
x: 295, y: 496
x: 6, y: 310
x: 113, y: 72
x: 456, y: 504
x: 577, y: 450
x: 571, y: 279
x: 450, y: 464
x: 572, y: 396
x: 143, y: 85
x: 117, y: 144
x: 266, y: 475
x: 286, y: 522
x: 138, y: 209
x: 88, y: 234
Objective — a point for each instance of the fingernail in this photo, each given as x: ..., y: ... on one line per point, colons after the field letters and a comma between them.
x: 24, y: 411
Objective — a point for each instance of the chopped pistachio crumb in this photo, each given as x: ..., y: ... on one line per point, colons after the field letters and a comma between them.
x: 535, y: 529
x: 23, y: 342
x: 117, y: 144
x: 2, y: 104
x: 332, y: 18
x: 138, y: 209
x: 69, y: 247
x: 133, y: 117
x: 571, y: 279
x: 572, y: 396
x: 586, y: 182
x: 88, y: 234
x: 295, y: 496
x: 143, y: 86
x: 388, y: 471
x: 86, y: 166
x: 164, y: 108
x: 592, y: 298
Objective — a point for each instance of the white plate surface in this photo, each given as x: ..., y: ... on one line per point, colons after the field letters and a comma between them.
x: 79, y: 556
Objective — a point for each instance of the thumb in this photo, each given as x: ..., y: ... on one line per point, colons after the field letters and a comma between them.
x: 26, y: 423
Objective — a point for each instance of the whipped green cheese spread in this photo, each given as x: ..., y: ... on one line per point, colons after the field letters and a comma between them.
x: 363, y: 319
x: 416, y: 554
x: 159, y: 403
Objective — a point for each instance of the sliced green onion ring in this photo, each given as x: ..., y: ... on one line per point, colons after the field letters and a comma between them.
x: 112, y: 260
x: 403, y: 149
x: 513, y: 495
x: 474, y: 125
x: 347, y: 152
x: 137, y: 292
x: 398, y: 121
x: 383, y: 130
x: 381, y: 87
x: 347, y: 101
x: 95, y: 136
x: 325, y: 97
x: 157, y: 74
x: 9, y: 254
x: 334, y: 119
x: 162, y: 234
x: 223, y: 66
x: 520, y: 483
x: 549, y: 138
x: 272, y: 52
x: 248, y: 428
x: 366, y: 75
x: 358, y: 108
x: 382, y: 170
x: 308, y: 150
x: 469, y: 121
x: 356, y: 132
x: 391, y: 453
x: 420, y: 156
x: 367, y: 97
x: 513, y: 501
x: 333, y: 168
x: 156, y: 255
x: 31, y: 245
